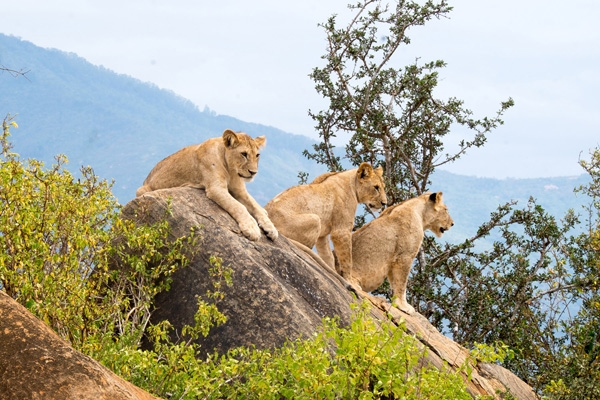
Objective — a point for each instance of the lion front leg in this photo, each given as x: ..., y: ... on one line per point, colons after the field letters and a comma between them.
x: 342, y: 243
x: 265, y: 223
x: 398, y: 277
x: 259, y: 213
x: 247, y: 224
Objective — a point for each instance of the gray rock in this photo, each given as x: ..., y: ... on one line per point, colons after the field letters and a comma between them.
x: 278, y: 291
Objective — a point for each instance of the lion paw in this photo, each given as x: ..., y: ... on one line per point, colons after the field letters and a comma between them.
x: 353, y: 281
x: 269, y: 229
x: 251, y: 230
x: 404, y: 306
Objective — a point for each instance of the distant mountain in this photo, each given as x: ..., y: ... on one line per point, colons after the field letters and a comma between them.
x: 471, y: 200
x: 122, y: 127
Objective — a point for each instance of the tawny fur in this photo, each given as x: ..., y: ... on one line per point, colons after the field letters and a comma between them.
x: 387, y: 246
x: 324, y: 209
x: 221, y: 166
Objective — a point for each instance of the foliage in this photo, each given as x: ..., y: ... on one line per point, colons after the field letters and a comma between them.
x: 68, y: 256
x: 53, y: 232
x: 535, y: 288
x: 498, y: 352
x: 169, y: 369
x: 577, y: 374
x: 362, y: 361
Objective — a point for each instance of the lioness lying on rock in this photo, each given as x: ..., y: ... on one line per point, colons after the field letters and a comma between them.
x: 220, y: 165
x: 309, y: 214
x: 387, y: 246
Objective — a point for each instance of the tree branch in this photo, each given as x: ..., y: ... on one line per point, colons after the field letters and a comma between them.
x: 14, y: 72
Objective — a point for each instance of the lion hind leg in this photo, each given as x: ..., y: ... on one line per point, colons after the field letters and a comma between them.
x: 398, y: 277
x: 303, y: 228
x: 342, y: 243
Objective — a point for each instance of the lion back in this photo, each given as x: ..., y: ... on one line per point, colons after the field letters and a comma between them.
x: 228, y: 158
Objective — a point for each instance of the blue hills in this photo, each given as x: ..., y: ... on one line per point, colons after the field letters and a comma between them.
x: 121, y: 127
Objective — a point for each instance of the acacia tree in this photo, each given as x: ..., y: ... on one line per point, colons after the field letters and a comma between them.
x: 577, y: 375
x: 390, y: 113
x: 518, y: 292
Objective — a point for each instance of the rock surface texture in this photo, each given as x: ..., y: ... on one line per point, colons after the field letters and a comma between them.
x: 37, y: 364
x: 279, y: 292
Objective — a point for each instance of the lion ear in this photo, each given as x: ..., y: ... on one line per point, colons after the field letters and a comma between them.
x: 260, y: 141
x: 230, y: 138
x: 436, y: 197
x: 364, y: 170
x: 379, y: 171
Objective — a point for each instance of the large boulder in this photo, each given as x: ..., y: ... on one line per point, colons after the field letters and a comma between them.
x: 35, y: 363
x: 279, y: 292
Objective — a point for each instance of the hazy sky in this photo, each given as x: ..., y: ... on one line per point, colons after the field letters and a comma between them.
x: 251, y: 60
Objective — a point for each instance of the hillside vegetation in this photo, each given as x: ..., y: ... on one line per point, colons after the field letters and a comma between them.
x: 121, y: 126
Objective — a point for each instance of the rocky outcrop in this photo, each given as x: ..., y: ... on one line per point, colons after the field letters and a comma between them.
x: 37, y: 364
x: 279, y: 293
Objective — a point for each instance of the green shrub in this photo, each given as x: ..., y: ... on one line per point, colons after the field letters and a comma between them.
x: 68, y: 256
x: 366, y: 360
x: 363, y: 361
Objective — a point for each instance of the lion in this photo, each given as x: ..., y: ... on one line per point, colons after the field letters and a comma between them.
x: 312, y: 214
x: 221, y: 166
x: 387, y: 246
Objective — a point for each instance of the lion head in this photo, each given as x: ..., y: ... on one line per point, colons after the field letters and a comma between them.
x: 242, y: 153
x: 439, y: 218
x: 370, y: 188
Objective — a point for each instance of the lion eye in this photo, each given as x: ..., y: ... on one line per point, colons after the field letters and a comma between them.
x: 244, y: 154
x: 377, y: 187
x: 257, y: 155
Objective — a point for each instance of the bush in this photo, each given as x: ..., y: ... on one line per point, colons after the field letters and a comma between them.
x: 363, y: 361
x: 68, y: 256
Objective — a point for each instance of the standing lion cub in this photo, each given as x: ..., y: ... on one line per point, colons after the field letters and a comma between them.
x: 221, y: 166
x: 311, y: 213
x: 387, y: 246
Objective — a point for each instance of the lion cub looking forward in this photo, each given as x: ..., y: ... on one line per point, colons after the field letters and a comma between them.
x: 387, y: 245
x: 309, y: 214
x: 220, y: 165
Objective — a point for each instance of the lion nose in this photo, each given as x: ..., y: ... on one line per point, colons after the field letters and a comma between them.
x: 252, y: 172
